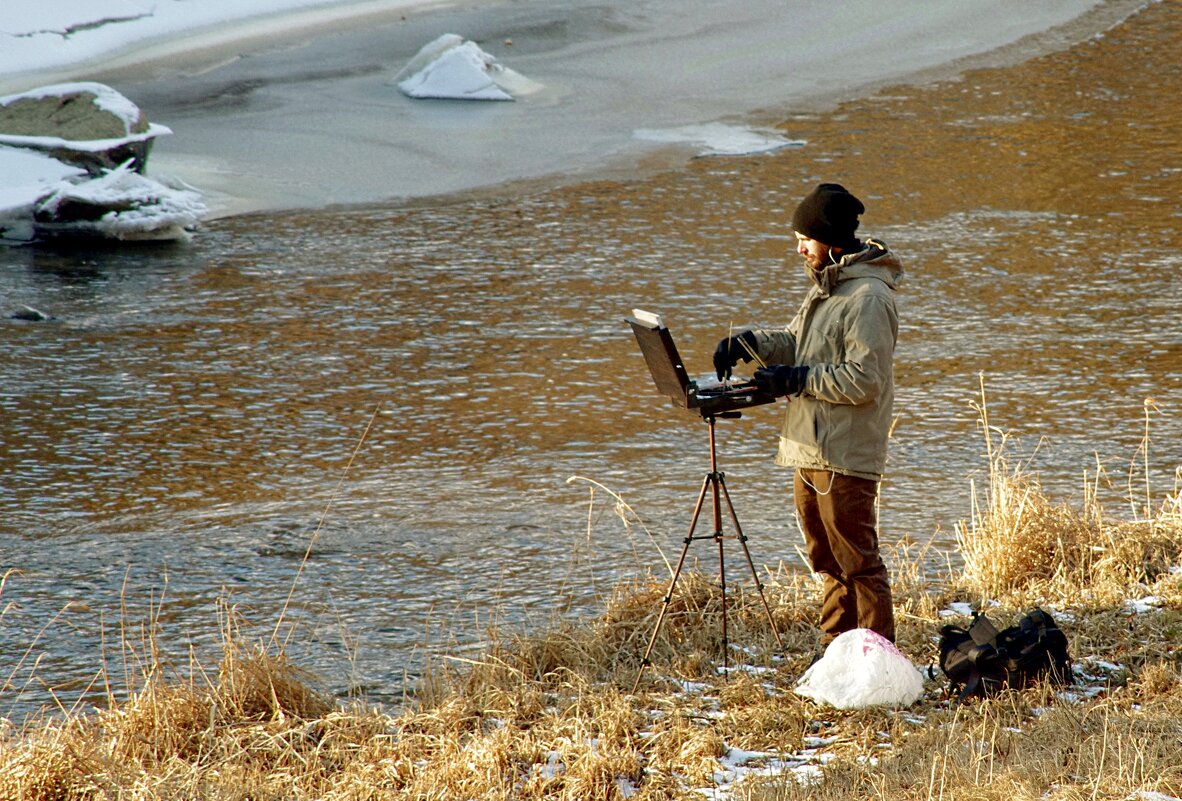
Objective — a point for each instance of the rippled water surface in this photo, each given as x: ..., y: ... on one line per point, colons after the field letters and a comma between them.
x: 404, y: 394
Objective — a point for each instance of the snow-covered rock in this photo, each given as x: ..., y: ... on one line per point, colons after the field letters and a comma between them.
x: 73, y: 157
x: 29, y: 315
x: 861, y: 668
x: 451, y: 68
x: 89, y: 125
x: 121, y: 204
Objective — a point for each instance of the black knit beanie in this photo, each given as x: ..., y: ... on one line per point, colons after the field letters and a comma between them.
x: 829, y: 214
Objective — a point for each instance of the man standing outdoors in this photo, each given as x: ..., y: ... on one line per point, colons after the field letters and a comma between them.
x: 834, y: 362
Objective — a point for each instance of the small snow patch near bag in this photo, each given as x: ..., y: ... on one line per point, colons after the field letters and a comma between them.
x: 980, y: 660
x: 861, y: 668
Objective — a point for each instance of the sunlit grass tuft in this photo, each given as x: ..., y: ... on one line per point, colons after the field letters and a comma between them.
x: 1020, y: 545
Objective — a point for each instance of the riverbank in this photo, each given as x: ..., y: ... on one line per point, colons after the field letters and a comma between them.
x: 1033, y: 206
x: 188, y: 413
x: 299, y: 110
x: 548, y: 714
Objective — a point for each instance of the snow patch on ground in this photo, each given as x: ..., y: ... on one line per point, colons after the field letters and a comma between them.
x: 1141, y: 606
x: 36, y: 35
x: 738, y: 765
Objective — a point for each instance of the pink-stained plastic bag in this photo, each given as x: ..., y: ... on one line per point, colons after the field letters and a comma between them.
x: 861, y: 668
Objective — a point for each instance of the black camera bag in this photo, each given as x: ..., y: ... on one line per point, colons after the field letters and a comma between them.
x: 980, y: 661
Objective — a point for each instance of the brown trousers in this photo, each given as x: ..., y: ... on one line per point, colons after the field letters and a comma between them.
x: 839, y: 519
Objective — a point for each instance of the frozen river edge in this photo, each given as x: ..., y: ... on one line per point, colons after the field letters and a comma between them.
x: 300, y: 110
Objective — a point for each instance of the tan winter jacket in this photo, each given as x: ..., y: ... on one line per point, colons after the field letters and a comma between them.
x: 845, y: 331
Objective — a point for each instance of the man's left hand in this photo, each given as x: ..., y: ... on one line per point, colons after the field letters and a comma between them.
x: 781, y: 379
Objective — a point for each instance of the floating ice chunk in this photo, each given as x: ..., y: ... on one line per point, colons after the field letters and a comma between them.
x: 719, y: 139
x: 451, y: 68
x: 862, y: 668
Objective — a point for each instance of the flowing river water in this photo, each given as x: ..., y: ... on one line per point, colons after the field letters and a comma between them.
x: 382, y: 424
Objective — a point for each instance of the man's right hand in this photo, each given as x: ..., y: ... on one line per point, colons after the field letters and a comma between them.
x: 730, y: 351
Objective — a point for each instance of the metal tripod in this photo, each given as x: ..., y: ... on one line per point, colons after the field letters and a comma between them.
x: 715, y: 484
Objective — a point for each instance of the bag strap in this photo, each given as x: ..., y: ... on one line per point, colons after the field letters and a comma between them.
x: 981, y: 646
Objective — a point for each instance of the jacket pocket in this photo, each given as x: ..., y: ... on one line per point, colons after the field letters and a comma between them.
x: 822, y: 427
x: 798, y: 436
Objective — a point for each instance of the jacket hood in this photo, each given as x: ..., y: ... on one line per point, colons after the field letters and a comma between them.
x: 873, y: 261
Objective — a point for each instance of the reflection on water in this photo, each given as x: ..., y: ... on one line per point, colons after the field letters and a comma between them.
x: 409, y: 389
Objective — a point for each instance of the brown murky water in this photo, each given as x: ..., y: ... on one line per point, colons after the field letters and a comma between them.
x: 409, y: 389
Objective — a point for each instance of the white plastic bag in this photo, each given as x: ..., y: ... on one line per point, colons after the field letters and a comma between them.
x: 861, y: 668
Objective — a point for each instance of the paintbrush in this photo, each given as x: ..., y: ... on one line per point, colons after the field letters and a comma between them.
x: 750, y: 350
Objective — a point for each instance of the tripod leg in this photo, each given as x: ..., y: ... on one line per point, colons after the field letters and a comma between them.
x: 689, y: 537
x: 754, y: 574
x: 726, y: 648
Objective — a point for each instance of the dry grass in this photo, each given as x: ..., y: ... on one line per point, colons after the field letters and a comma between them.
x: 547, y: 715
x: 1023, y: 547
x: 544, y: 716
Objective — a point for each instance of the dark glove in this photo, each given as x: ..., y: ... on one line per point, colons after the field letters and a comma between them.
x: 730, y: 350
x: 781, y: 379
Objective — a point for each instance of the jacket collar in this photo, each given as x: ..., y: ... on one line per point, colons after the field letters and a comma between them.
x: 874, y: 260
